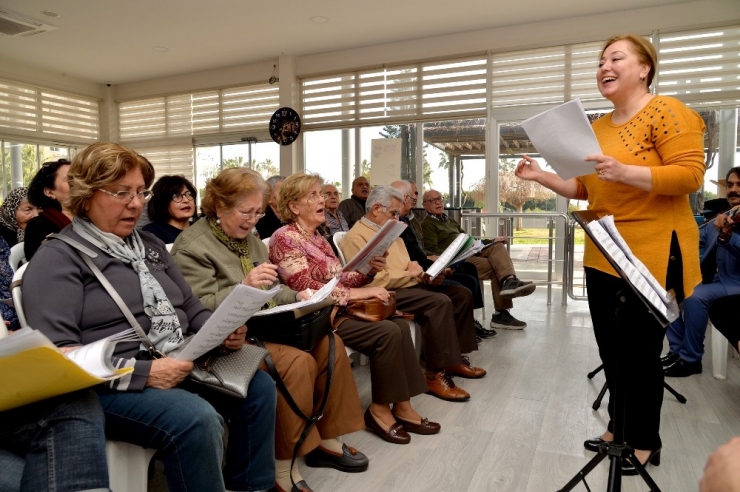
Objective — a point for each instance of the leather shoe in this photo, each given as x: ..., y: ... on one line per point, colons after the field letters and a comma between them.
x: 483, y: 332
x: 669, y: 359
x: 394, y: 434
x: 301, y: 486
x: 465, y: 371
x: 443, y: 387
x: 594, y: 443
x: 629, y: 469
x: 350, y: 461
x: 425, y: 427
x: 682, y: 369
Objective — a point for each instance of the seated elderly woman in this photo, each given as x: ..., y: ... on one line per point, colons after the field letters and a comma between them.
x: 54, y: 444
x: 172, y: 207
x: 15, y: 212
x: 48, y: 189
x: 305, y: 260
x: 219, y: 252
x: 153, y: 406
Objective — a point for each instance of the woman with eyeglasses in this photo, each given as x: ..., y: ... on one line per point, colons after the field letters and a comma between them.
x: 305, y: 260
x: 219, y: 252
x: 172, y: 208
x: 154, y: 406
x: 48, y: 191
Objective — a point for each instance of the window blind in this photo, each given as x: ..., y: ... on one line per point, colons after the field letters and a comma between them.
x: 450, y: 89
x: 170, y: 159
x: 27, y: 111
x: 546, y: 76
x: 701, y: 68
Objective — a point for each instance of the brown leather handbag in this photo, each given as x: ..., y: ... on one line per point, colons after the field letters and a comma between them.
x: 371, y: 310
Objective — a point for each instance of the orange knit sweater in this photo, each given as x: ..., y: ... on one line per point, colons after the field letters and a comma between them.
x: 668, y: 138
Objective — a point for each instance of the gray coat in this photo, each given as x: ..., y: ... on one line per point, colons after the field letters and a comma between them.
x: 65, y: 301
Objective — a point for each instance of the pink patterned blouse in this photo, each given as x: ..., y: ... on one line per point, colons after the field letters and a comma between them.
x: 305, y: 260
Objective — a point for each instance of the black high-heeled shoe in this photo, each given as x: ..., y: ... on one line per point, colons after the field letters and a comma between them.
x: 629, y: 469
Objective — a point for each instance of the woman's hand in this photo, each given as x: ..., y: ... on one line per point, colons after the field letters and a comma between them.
x: 167, y: 372
x: 235, y: 340
x: 527, y: 169
x: 608, y: 168
x: 262, y: 275
x: 369, y: 293
x: 377, y: 264
x: 304, y: 295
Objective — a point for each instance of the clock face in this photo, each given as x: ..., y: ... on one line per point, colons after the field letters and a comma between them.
x: 285, y: 126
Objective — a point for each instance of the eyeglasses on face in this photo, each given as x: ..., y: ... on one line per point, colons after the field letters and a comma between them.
x: 395, y: 213
x: 178, y: 197
x: 250, y: 215
x: 434, y: 200
x: 314, y: 197
x: 127, y: 196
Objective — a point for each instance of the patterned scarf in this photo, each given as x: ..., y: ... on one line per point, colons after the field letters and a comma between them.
x: 10, y: 207
x: 240, y: 247
x: 165, y: 332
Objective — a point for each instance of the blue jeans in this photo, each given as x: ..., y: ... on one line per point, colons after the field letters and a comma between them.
x: 686, y: 334
x: 62, y: 440
x: 187, y: 431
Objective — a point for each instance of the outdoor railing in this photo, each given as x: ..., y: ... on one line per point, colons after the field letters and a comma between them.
x: 571, y: 238
x: 506, y: 228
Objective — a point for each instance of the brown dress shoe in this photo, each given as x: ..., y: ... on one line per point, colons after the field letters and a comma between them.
x: 425, y: 427
x: 395, y: 433
x: 466, y: 371
x: 443, y: 387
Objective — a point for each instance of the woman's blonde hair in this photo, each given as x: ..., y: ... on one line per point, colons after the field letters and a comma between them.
x: 294, y: 188
x: 229, y: 188
x: 643, y: 48
x: 98, y: 165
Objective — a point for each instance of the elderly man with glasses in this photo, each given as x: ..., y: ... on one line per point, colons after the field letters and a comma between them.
x: 444, y: 312
x: 335, y: 221
x: 493, y: 263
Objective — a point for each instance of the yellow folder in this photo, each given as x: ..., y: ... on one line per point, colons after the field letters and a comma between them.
x: 42, y: 372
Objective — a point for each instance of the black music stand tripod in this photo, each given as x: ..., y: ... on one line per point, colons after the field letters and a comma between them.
x: 597, y: 401
x: 616, y: 450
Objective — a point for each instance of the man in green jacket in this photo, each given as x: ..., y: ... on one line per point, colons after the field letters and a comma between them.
x: 493, y: 263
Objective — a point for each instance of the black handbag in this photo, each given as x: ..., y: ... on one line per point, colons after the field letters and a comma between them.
x: 298, y: 328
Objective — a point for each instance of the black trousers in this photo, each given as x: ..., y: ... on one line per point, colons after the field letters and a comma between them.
x: 630, y: 341
x: 724, y: 316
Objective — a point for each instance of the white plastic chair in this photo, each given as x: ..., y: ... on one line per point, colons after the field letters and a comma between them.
x: 719, y: 353
x: 17, y: 294
x: 169, y: 246
x: 337, y: 238
x: 17, y: 255
x: 266, y: 241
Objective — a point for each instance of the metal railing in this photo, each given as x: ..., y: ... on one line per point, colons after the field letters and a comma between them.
x: 570, y: 267
x: 506, y: 228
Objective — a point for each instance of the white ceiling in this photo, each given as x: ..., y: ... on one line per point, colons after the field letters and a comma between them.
x: 112, y: 40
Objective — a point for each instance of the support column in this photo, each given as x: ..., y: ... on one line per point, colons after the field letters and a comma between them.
x: 291, y: 156
x: 727, y: 142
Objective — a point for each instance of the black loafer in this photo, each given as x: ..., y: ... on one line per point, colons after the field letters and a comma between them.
x: 593, y: 444
x: 669, y: 359
x: 629, y: 469
x: 301, y: 486
x: 682, y: 369
x: 350, y: 461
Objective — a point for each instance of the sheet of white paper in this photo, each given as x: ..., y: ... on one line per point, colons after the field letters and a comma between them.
x: 447, y: 255
x: 377, y: 246
x: 233, y: 312
x: 317, y: 297
x: 608, y: 223
x: 640, y: 283
x: 564, y: 137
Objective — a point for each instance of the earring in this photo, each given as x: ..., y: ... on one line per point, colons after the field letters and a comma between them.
x: 218, y: 220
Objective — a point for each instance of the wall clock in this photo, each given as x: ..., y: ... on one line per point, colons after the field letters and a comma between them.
x: 285, y: 126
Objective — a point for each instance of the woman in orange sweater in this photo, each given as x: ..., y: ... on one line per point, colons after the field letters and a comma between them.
x: 653, y: 157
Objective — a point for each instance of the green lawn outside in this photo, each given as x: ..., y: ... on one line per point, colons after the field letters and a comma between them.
x: 539, y: 236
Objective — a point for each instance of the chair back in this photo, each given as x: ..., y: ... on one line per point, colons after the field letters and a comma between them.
x: 337, y: 238
x: 17, y: 294
x: 17, y: 255
x: 169, y: 246
x: 266, y: 242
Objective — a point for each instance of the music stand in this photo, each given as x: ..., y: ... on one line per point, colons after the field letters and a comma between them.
x: 617, y: 449
x: 597, y: 401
